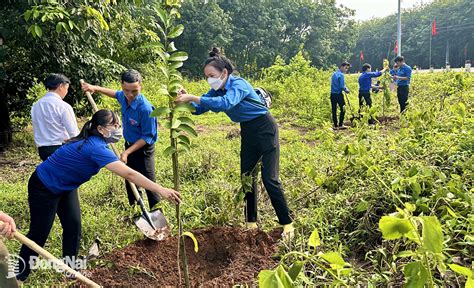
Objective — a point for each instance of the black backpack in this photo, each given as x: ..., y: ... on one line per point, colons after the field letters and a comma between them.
x: 265, y: 98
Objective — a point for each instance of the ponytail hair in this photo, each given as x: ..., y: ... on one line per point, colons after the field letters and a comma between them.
x: 102, y: 117
x: 219, y: 61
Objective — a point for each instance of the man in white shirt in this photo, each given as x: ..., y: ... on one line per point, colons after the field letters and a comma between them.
x: 53, y: 119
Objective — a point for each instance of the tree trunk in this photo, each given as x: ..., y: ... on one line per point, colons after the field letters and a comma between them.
x: 5, y: 123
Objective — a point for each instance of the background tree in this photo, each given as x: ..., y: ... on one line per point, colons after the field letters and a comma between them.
x: 376, y: 38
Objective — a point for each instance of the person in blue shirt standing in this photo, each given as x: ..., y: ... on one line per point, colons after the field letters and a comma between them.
x: 259, y: 133
x: 73, y: 164
x: 365, y: 84
x: 402, y: 78
x: 337, y: 99
x: 139, y: 129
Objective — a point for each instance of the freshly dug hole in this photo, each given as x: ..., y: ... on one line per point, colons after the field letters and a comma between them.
x: 226, y: 256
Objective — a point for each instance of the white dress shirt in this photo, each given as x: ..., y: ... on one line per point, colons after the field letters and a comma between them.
x: 53, y: 120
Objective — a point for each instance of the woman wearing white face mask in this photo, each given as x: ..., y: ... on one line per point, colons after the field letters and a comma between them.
x: 69, y: 167
x: 259, y: 132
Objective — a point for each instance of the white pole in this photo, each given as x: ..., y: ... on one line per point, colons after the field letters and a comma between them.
x: 399, y: 29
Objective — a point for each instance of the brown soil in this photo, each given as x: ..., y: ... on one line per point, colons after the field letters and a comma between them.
x: 227, y: 256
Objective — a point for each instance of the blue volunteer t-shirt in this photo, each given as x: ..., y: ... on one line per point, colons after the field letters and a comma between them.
x: 231, y: 101
x: 74, y: 163
x: 137, y: 123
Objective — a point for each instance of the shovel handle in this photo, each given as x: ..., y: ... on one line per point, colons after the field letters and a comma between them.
x: 132, y: 185
x: 41, y: 251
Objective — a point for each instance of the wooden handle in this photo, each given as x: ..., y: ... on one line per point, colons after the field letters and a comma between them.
x: 117, y: 153
x: 38, y: 249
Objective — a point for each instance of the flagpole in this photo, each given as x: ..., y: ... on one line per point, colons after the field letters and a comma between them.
x: 399, y: 29
x: 431, y: 37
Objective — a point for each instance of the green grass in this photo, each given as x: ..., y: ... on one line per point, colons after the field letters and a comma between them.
x: 335, y: 182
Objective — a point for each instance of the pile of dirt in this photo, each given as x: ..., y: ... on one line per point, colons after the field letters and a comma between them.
x: 226, y: 256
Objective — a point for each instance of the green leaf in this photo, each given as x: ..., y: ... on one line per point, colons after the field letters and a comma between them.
x: 284, y: 277
x: 163, y: 91
x: 410, y: 207
x: 174, y: 133
x: 461, y: 270
x: 269, y: 279
x: 415, y: 274
x: 432, y: 234
x: 176, y: 75
x: 154, y: 45
x: 296, y: 269
x: 405, y: 254
x: 334, y: 258
x: 59, y: 27
x: 393, y: 227
x: 184, y: 107
x: 362, y: 206
x: 186, y: 120
x: 185, y: 146
x: 412, y: 172
x: 162, y: 15
x: 314, y: 240
x: 191, y: 235
x: 188, y: 129
x: 164, y: 70
x: 176, y: 65
x: 184, y: 139
x: 38, y: 31
x: 175, y: 85
x: 416, y: 187
x: 175, y: 124
x: 162, y: 55
x: 171, y: 47
x: 469, y: 283
x: 158, y: 112
x: 178, y: 56
x: 176, y: 31
x: 168, y: 151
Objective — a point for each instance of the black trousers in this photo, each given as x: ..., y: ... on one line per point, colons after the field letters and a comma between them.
x: 44, y: 205
x: 259, y: 140
x: 365, y: 97
x: 143, y: 161
x: 337, y: 99
x: 46, y: 151
x: 402, y: 95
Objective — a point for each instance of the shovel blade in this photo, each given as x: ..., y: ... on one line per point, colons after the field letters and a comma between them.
x: 159, y: 221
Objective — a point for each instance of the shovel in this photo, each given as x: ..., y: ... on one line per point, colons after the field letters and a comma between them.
x: 353, y: 117
x: 60, y: 264
x: 152, y: 224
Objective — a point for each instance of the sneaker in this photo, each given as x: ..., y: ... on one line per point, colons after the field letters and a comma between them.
x: 251, y: 225
x: 288, y: 232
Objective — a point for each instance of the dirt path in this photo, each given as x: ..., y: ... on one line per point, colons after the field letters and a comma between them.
x: 227, y: 256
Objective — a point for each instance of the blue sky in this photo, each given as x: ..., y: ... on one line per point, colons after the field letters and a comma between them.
x: 367, y: 9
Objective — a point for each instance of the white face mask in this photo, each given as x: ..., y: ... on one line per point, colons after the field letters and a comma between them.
x: 215, y: 83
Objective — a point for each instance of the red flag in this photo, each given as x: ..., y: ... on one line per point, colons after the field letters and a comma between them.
x: 465, y: 51
x: 395, y: 49
x: 433, y: 28
x: 361, y: 56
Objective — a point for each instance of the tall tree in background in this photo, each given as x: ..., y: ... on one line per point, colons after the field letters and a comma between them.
x: 454, y: 25
x: 207, y: 25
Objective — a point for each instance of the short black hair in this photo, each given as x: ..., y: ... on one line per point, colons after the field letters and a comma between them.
x: 131, y: 76
x: 399, y: 59
x: 53, y: 81
x: 345, y: 63
x: 366, y: 66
